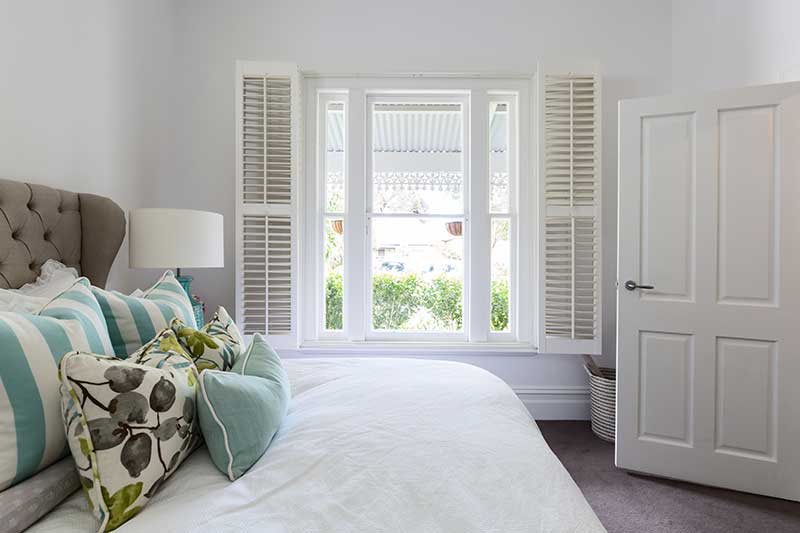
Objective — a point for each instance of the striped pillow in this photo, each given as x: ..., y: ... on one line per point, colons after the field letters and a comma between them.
x: 134, y: 321
x: 31, y: 429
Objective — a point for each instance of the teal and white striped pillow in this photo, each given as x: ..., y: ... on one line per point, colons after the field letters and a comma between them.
x: 31, y: 428
x: 134, y: 321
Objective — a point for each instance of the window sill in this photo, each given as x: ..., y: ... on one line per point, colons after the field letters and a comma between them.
x: 414, y: 348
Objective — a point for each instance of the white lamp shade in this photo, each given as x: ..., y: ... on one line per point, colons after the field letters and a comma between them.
x: 170, y: 238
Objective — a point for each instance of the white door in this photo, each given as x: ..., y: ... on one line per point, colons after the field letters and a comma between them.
x: 708, y: 359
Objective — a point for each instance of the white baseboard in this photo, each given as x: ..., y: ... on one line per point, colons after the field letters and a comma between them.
x: 555, y: 403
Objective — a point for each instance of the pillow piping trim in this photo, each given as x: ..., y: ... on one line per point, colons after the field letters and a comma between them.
x: 161, y: 279
x: 57, y: 296
x: 220, y: 424
x: 96, y: 484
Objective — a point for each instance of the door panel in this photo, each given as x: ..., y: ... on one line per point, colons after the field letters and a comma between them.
x: 747, y: 215
x: 666, y: 361
x: 707, y: 361
x: 746, y: 404
x: 668, y: 174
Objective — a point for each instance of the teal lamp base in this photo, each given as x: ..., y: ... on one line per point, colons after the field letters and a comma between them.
x: 186, y: 282
x: 197, y: 305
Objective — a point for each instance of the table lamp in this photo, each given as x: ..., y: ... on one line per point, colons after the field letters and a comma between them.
x: 176, y: 238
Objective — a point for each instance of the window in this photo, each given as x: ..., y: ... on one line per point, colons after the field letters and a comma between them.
x: 416, y: 213
x: 409, y: 208
x: 501, y: 123
x: 332, y: 118
x: 417, y: 222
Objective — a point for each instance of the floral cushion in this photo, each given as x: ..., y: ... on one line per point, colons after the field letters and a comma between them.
x: 129, y: 424
x: 216, y: 345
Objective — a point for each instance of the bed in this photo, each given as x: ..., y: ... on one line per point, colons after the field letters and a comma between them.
x: 368, y: 444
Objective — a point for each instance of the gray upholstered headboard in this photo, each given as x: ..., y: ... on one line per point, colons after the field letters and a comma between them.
x: 38, y: 223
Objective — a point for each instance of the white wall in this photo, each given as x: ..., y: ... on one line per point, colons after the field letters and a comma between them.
x: 135, y: 99
x: 81, y: 106
x: 629, y: 38
x: 730, y: 43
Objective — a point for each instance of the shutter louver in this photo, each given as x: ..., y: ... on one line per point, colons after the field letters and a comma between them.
x: 570, y: 225
x: 278, y: 157
x: 266, y: 140
x: 267, y: 153
x: 253, y: 140
x: 279, y: 275
x: 254, y: 274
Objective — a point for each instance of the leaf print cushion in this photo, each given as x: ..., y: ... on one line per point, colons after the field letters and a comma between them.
x: 165, y: 342
x: 129, y: 424
x: 216, y: 345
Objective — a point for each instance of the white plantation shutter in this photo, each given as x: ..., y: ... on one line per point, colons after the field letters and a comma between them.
x: 267, y: 154
x: 569, y: 210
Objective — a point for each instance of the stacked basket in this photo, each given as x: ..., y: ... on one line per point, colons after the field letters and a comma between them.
x: 602, y: 393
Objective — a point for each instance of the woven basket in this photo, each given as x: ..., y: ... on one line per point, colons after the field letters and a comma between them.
x: 602, y: 398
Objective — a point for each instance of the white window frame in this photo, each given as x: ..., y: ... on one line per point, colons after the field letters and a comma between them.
x: 476, y: 91
x: 462, y: 98
x: 513, y: 213
x: 319, y: 170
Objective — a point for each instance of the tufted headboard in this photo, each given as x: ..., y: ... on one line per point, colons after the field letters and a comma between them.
x: 38, y: 223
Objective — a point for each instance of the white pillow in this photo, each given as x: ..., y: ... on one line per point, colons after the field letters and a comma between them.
x: 14, y: 302
x: 54, y: 279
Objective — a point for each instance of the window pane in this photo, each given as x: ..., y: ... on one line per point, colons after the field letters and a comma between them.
x: 498, y: 157
x: 334, y: 273
x: 417, y: 274
x: 501, y: 275
x: 417, y: 158
x: 334, y: 157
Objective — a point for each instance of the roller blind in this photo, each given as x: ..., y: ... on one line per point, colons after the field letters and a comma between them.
x: 267, y: 153
x: 569, y: 212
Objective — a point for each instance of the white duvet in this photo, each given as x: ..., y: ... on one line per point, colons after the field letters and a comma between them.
x: 375, y: 445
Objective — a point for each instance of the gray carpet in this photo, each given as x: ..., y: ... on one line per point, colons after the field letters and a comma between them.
x: 632, y: 503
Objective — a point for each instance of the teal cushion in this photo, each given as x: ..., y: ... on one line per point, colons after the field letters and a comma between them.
x: 240, y: 411
x: 31, y: 430
x: 134, y: 321
x: 260, y: 360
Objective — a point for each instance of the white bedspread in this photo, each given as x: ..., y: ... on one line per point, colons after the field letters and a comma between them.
x: 376, y: 445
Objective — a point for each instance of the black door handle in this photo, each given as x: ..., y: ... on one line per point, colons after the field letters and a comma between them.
x: 632, y: 285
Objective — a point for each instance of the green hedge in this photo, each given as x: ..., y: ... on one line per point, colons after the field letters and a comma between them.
x: 398, y: 298
x: 499, y: 316
x: 333, y: 302
x: 442, y: 297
